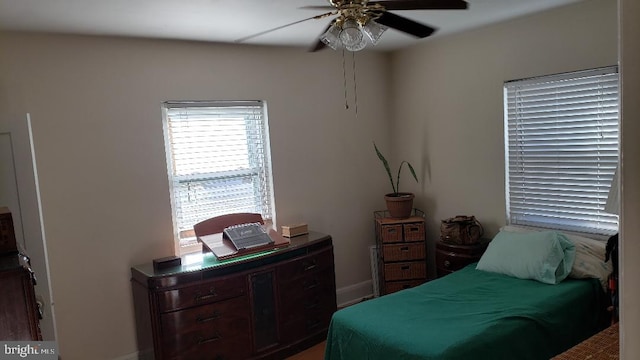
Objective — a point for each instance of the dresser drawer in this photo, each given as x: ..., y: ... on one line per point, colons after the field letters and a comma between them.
x: 201, y: 294
x: 452, y: 261
x: 312, y: 323
x: 452, y: 257
x: 403, y: 252
x: 303, y: 266
x: 207, y: 329
x: 405, y: 271
x: 308, y: 283
x: 299, y: 303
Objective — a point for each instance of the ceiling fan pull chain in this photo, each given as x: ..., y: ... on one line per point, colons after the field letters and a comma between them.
x: 344, y: 76
x: 355, y: 84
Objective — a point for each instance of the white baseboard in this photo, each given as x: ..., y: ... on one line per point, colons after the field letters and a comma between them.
x: 352, y: 294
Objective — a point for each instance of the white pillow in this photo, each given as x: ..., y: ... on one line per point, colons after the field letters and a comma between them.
x: 590, y: 255
x: 546, y: 256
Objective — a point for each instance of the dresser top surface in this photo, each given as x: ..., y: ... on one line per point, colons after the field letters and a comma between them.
x: 207, y: 261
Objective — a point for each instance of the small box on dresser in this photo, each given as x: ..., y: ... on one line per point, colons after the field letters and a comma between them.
x: 402, y: 254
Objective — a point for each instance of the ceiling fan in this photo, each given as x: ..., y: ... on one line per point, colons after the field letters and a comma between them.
x: 357, y: 20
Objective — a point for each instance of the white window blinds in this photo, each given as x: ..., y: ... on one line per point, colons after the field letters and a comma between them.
x: 562, y: 150
x: 218, y: 160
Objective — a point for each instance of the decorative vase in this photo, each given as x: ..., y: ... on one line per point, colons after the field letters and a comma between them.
x: 399, y: 205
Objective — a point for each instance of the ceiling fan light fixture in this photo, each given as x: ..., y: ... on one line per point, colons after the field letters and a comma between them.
x: 374, y: 31
x: 358, y: 46
x: 351, y: 36
x: 331, y: 37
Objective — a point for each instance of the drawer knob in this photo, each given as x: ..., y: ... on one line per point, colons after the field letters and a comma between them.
x: 202, y: 340
x: 309, y: 265
x: 447, y: 263
x: 310, y: 284
x: 404, y: 248
x: 312, y: 304
x: 405, y: 267
x: 312, y: 324
x: 214, y: 316
x: 211, y: 294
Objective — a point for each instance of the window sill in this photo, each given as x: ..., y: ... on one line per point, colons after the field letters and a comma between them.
x: 189, y: 246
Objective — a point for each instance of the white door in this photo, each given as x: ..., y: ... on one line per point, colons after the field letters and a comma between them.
x: 19, y: 192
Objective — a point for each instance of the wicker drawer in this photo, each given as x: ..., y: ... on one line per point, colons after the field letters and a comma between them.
x: 206, y: 293
x: 207, y: 331
x: 414, y: 232
x: 403, y: 252
x: 405, y: 271
x: 391, y: 233
x: 394, y: 286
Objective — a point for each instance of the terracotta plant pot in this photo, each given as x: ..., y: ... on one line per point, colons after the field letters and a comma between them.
x: 399, y: 205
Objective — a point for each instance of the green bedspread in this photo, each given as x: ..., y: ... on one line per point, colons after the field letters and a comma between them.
x: 469, y: 315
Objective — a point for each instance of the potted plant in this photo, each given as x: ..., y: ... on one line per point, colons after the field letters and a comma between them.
x: 399, y: 204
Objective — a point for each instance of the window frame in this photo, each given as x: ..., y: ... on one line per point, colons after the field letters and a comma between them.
x: 516, y: 109
x: 185, y: 239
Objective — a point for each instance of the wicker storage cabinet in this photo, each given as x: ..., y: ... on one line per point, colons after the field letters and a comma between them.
x: 401, y: 251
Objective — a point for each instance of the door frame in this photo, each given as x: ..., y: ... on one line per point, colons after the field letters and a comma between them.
x: 30, y: 224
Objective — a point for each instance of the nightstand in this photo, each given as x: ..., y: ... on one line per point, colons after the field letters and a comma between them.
x: 452, y: 257
x: 401, y: 247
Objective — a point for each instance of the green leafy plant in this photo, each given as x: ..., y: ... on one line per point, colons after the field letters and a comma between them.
x: 396, y: 186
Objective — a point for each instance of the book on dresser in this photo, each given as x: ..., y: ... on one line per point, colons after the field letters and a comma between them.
x: 223, y: 248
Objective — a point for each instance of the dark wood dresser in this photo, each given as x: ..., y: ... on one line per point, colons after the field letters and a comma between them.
x: 19, y: 313
x: 268, y: 305
x: 402, y: 253
x: 452, y: 257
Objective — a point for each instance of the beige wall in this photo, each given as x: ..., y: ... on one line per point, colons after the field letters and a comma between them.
x: 448, y: 101
x: 451, y: 91
x: 630, y: 170
x: 95, y: 104
x: 95, y: 107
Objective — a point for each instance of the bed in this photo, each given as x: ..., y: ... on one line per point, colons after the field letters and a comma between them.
x: 470, y: 314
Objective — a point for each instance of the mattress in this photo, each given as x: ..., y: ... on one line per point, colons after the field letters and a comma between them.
x: 470, y: 314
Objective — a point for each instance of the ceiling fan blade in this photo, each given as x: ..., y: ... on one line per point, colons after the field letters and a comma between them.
x: 422, y: 4
x: 405, y: 25
x: 319, y: 45
x: 318, y: 7
x: 284, y: 26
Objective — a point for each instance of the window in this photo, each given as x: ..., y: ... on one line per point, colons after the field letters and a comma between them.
x: 218, y: 161
x: 562, y: 150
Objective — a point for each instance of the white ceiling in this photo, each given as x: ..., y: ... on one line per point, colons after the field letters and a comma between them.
x: 229, y: 20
